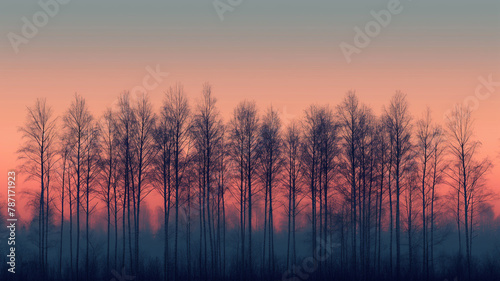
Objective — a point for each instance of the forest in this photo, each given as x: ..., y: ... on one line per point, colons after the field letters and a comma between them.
x: 337, y: 194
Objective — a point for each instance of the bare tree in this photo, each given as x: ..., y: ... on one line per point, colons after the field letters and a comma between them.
x: 292, y: 143
x: 77, y: 123
x: 329, y: 148
x: 398, y: 122
x: 438, y: 168
x: 311, y: 159
x: 350, y: 116
x: 383, y: 155
x: 412, y: 186
x: 368, y: 178
x: 244, y: 140
x: 109, y: 140
x: 163, y: 139
x: 52, y: 162
x: 146, y: 152
x: 71, y: 199
x: 271, y: 162
x: 38, y: 155
x: 207, y: 132
x: 221, y: 169
x: 64, y: 151
x: 126, y: 130
x: 466, y: 173
x: 92, y: 160
x: 237, y: 154
x: 426, y: 136
x: 177, y: 113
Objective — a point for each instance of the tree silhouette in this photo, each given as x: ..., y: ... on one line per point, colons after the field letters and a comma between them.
x: 466, y: 174
x: 77, y: 123
x: 245, y: 189
x: 177, y: 113
x: 399, y: 126
x: 38, y: 154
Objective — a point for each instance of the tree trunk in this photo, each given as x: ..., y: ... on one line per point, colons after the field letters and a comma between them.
x: 62, y: 217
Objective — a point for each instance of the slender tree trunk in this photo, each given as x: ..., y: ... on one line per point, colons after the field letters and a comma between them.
x: 137, y: 228
x: 410, y: 244
x: 62, y: 217
x: 242, y: 216
x: 166, y: 206
x: 424, y: 220
x: 353, y: 206
x: 108, y: 232
x: 325, y: 224
x: 115, y: 264
x: 398, y: 225
x: 313, y: 203
x: 266, y: 189
x: 249, y: 211
x: 176, y: 167
x: 224, y: 236
x: 201, y: 218
x: 208, y: 205
x: 188, y: 234
x: 380, y: 214
x: 294, y: 247
x: 124, y: 216
x: 369, y: 217
x: 42, y: 215
x: 288, y: 263
x: 70, y: 227
x: 46, y: 244
x: 432, y: 215
x: 87, y: 218
x: 78, y: 211
x: 466, y: 218
x: 458, y: 224
x: 131, y: 197
x: 391, y: 223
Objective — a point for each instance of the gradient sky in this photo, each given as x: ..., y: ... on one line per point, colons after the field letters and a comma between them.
x: 284, y: 53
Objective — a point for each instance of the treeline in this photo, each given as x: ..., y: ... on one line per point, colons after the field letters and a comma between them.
x: 376, y: 187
